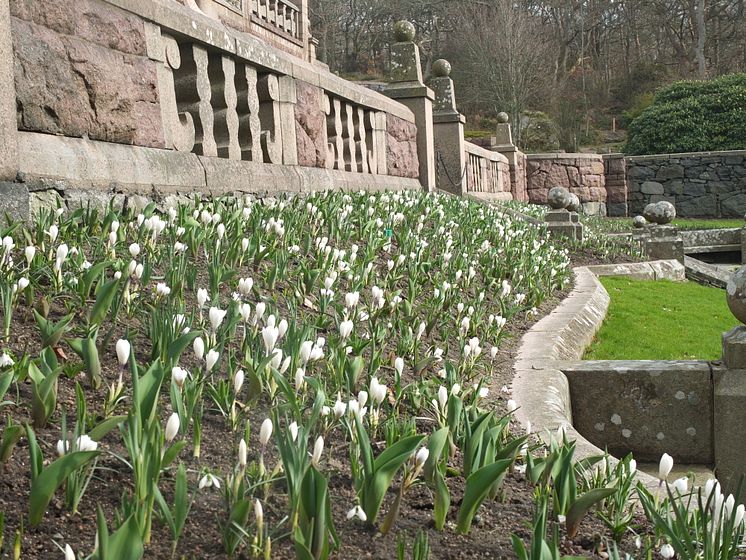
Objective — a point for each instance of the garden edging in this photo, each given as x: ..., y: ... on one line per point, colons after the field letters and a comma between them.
x: 540, y: 388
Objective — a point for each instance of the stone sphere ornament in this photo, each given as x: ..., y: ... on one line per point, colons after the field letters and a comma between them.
x: 574, y: 205
x: 660, y: 213
x: 441, y: 68
x: 736, y: 294
x: 503, y: 117
x: 404, y: 31
x: 559, y: 198
x: 639, y: 222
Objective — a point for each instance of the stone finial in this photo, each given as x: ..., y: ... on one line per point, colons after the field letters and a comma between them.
x: 503, y: 117
x: 441, y: 68
x: 736, y: 294
x: 660, y: 213
x: 559, y: 198
x: 574, y: 205
x: 404, y: 31
x: 639, y: 222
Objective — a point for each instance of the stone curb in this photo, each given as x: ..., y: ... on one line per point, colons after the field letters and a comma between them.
x: 540, y: 388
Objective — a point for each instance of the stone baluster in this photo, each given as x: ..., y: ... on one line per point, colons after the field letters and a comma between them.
x: 254, y: 7
x: 268, y: 89
x: 361, y: 144
x: 224, y: 102
x: 178, y: 127
x: 376, y: 123
x: 448, y: 129
x: 263, y: 7
x: 335, y: 131
x: 194, y: 95
x: 288, y: 99
x: 272, y: 11
x: 406, y: 86
x: 250, y: 127
x: 351, y: 159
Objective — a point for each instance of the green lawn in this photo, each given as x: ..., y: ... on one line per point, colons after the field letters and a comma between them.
x: 612, y: 225
x: 661, y: 320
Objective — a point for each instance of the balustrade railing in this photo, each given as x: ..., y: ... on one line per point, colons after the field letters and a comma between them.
x: 218, y: 104
x: 486, y: 171
x: 279, y: 15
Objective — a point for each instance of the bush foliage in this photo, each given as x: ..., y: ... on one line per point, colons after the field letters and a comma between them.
x: 692, y: 116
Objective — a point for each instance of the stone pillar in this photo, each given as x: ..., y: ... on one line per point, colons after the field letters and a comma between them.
x: 407, y: 88
x: 729, y: 404
x: 8, y: 124
x: 448, y: 128
x: 664, y: 243
x: 502, y: 143
x: 615, y: 170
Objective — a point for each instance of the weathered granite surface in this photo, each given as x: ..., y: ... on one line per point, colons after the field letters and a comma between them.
x: 81, y: 69
x: 401, y: 148
x: 310, y: 125
x: 582, y: 174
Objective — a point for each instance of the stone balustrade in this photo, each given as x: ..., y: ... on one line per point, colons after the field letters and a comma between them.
x: 486, y: 172
x: 278, y: 15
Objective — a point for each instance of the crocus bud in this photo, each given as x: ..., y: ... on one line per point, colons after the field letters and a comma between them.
x: 258, y: 513
x: 199, y: 348
x: 242, y: 453
x: 512, y: 406
x: 293, y: 429
x: 123, y: 351
x: 172, y: 427
x: 421, y: 456
x: 665, y: 466
x: 265, y: 432
x: 216, y: 317
x: 69, y: 554
x: 211, y: 359
x: 29, y: 252
x: 238, y: 381
x: 318, y: 449
x: 178, y: 375
x: 442, y: 397
x: 134, y: 250
x: 202, y: 297
x: 399, y: 365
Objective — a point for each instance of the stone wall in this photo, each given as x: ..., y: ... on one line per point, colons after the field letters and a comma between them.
x: 124, y: 98
x: 581, y: 174
x: 700, y: 185
x: 518, y: 168
x: 81, y: 70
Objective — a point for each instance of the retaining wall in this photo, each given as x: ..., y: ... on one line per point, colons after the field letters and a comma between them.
x: 700, y: 185
x: 581, y: 174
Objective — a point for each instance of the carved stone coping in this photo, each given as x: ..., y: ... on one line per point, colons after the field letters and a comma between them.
x: 182, y: 21
x: 107, y: 167
x: 540, y: 387
x: 480, y: 152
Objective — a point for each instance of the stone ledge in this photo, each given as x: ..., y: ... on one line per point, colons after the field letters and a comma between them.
x: 652, y: 270
x: 540, y: 388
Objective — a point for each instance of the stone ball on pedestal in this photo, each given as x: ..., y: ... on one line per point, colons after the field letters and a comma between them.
x: 660, y: 213
x: 404, y: 31
x: 639, y: 222
x: 441, y: 68
x: 503, y: 117
x: 559, y: 198
x: 736, y: 294
x: 574, y: 205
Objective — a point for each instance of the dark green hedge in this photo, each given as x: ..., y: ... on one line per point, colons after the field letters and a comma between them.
x: 692, y: 116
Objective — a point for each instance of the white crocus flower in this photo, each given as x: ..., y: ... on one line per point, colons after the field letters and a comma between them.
x: 293, y: 429
x: 377, y: 391
x: 399, y: 365
x: 69, y: 553
x: 245, y: 285
x: 300, y: 379
x: 30, y: 253
x: 242, y: 452
x: 442, y: 397
x: 345, y: 329
x: 512, y: 406
x: 202, y: 297
x: 172, y: 427
x: 211, y: 359
x: 5, y: 360
x: 681, y: 485
x: 178, y: 375
x: 199, y: 348
x: 665, y: 466
x: 123, y: 351
x: 238, y: 380
x: 265, y: 432
x: 270, y: 335
x: 162, y: 289
x: 421, y: 456
x: 134, y: 250
x: 216, y: 317
x: 318, y: 449
x: 667, y: 551
x: 339, y: 408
